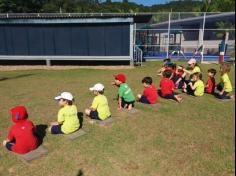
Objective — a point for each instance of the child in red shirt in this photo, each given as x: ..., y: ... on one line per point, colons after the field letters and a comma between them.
x: 211, y: 83
x: 21, y: 138
x: 167, y: 87
x: 150, y: 95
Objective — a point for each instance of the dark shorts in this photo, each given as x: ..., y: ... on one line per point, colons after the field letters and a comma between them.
x: 144, y: 100
x: 124, y: 103
x: 56, y: 129
x: 94, y: 115
x: 224, y: 96
x: 9, y: 145
x: 170, y: 96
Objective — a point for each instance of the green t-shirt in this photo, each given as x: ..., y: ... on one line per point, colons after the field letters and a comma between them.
x: 226, y: 83
x: 199, y: 88
x: 126, y: 93
x: 67, y: 116
x: 100, y: 104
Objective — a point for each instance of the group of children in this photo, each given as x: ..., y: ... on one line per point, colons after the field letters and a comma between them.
x: 22, y: 139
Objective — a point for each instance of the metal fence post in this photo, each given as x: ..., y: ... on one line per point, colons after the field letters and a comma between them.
x: 203, y: 32
x: 168, y: 38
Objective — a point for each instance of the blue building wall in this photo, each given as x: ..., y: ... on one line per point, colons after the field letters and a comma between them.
x: 112, y: 39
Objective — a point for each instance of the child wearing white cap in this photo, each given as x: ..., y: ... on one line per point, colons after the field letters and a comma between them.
x: 100, y: 109
x: 67, y: 120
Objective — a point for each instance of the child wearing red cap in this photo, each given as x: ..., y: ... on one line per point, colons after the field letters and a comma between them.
x: 21, y: 138
x: 125, y: 95
x: 150, y: 92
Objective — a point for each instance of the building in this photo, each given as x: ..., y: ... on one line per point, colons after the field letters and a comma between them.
x: 95, y: 37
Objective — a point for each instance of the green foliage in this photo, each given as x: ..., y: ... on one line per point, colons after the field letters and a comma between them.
x: 92, y: 6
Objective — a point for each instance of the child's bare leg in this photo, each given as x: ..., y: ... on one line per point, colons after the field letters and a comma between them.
x: 139, y: 96
x: 178, y: 81
x: 87, y: 112
x: 130, y: 107
x: 185, y: 88
x: 178, y: 98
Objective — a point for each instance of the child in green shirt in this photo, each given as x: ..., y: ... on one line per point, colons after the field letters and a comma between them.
x: 100, y: 108
x: 67, y: 120
x: 126, y: 98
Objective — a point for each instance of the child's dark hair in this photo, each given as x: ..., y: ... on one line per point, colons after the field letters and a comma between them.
x: 198, y: 74
x: 147, y: 80
x: 68, y: 101
x: 225, y: 67
x: 101, y: 92
x: 213, y: 71
x: 167, y: 73
x: 167, y: 60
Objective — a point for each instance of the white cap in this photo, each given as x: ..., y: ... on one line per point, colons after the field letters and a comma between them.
x: 66, y: 96
x: 97, y: 87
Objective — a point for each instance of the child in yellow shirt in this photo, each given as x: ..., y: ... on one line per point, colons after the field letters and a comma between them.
x: 100, y: 109
x: 225, y: 86
x: 67, y: 120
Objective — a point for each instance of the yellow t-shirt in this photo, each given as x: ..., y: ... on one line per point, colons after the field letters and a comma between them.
x: 196, y: 70
x: 227, y: 83
x: 100, y: 104
x: 68, y: 117
x: 199, y: 88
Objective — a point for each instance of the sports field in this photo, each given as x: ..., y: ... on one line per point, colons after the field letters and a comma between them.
x: 194, y: 138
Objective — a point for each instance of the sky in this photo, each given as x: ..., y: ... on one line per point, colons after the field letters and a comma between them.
x: 147, y: 2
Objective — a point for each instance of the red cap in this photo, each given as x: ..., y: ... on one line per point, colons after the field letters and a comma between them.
x: 121, y: 78
x: 19, y: 113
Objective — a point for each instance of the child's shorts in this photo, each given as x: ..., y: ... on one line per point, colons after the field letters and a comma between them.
x: 170, y: 96
x: 124, y: 103
x: 9, y: 145
x: 224, y: 96
x: 94, y: 115
x: 144, y: 100
x: 56, y: 129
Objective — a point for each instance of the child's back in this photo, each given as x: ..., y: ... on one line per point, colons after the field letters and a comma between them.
x: 68, y: 115
x: 150, y: 93
x: 166, y: 86
x: 211, y: 83
x: 126, y: 93
x: 23, y: 134
x: 226, y: 82
x: 199, y: 88
x: 100, y: 103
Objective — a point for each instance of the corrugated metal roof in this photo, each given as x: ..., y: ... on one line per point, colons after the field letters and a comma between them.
x: 138, y: 18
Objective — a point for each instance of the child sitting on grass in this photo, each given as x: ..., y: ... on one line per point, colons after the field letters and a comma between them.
x: 67, y: 120
x: 225, y: 86
x: 126, y: 98
x: 196, y: 88
x: 167, y: 87
x: 211, y: 83
x: 150, y: 92
x: 100, y: 108
x: 21, y: 138
x: 167, y: 64
x: 179, y: 77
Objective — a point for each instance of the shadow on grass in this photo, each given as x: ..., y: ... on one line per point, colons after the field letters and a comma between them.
x: 41, y: 133
x: 81, y: 119
x: 16, y: 77
x: 80, y: 173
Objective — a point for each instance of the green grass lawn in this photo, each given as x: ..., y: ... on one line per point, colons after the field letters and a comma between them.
x: 194, y: 138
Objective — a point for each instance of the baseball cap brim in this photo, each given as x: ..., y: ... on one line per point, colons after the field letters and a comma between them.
x: 58, y: 98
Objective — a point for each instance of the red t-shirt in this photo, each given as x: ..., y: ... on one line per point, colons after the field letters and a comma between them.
x: 23, y: 134
x: 151, y: 94
x: 211, y: 85
x: 166, y: 86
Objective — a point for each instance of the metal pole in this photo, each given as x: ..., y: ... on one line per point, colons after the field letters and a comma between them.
x: 168, y: 38
x: 203, y: 32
